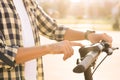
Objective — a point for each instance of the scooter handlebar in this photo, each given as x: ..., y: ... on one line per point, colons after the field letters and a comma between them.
x: 90, y: 55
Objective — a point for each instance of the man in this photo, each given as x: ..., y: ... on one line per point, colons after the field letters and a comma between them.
x: 13, y: 51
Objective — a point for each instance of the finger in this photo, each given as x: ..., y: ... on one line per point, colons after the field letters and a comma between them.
x: 69, y: 47
x: 76, y: 44
x: 107, y: 38
x: 68, y: 50
x: 65, y: 55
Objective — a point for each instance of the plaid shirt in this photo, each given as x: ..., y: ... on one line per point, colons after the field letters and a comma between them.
x: 11, y: 38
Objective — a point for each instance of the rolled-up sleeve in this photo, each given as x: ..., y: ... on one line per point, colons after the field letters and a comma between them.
x: 48, y: 25
x: 7, y: 54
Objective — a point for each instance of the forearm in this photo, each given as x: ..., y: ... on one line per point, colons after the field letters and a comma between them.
x: 74, y: 35
x: 26, y: 54
x: 63, y: 47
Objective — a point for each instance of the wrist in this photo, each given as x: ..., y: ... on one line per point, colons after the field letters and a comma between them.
x: 87, y: 34
x: 52, y: 48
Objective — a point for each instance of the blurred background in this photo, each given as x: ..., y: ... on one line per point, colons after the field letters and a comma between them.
x: 99, y: 15
x: 94, y: 12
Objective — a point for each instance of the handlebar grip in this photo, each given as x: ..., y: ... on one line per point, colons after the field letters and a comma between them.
x: 86, y: 62
x: 89, y: 58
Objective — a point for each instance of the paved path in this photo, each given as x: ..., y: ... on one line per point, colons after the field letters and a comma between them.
x: 57, y: 69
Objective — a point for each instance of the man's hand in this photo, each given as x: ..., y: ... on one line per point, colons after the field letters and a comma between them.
x: 63, y: 47
x: 96, y: 37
